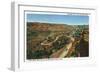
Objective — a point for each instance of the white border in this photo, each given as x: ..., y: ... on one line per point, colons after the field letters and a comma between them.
x: 18, y: 62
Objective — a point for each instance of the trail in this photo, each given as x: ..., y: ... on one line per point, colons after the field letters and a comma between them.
x: 66, y: 51
x: 50, y: 43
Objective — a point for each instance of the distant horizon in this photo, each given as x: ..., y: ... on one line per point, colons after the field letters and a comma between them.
x: 56, y: 23
x: 58, y: 19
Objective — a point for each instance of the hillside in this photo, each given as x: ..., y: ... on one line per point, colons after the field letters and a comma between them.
x: 46, y: 40
x: 48, y: 26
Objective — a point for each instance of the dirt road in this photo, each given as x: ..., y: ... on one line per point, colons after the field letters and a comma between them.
x: 64, y: 51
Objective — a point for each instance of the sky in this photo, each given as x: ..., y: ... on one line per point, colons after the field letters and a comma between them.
x: 63, y: 19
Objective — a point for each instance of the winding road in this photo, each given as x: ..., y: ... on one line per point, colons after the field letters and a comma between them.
x: 65, y: 51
